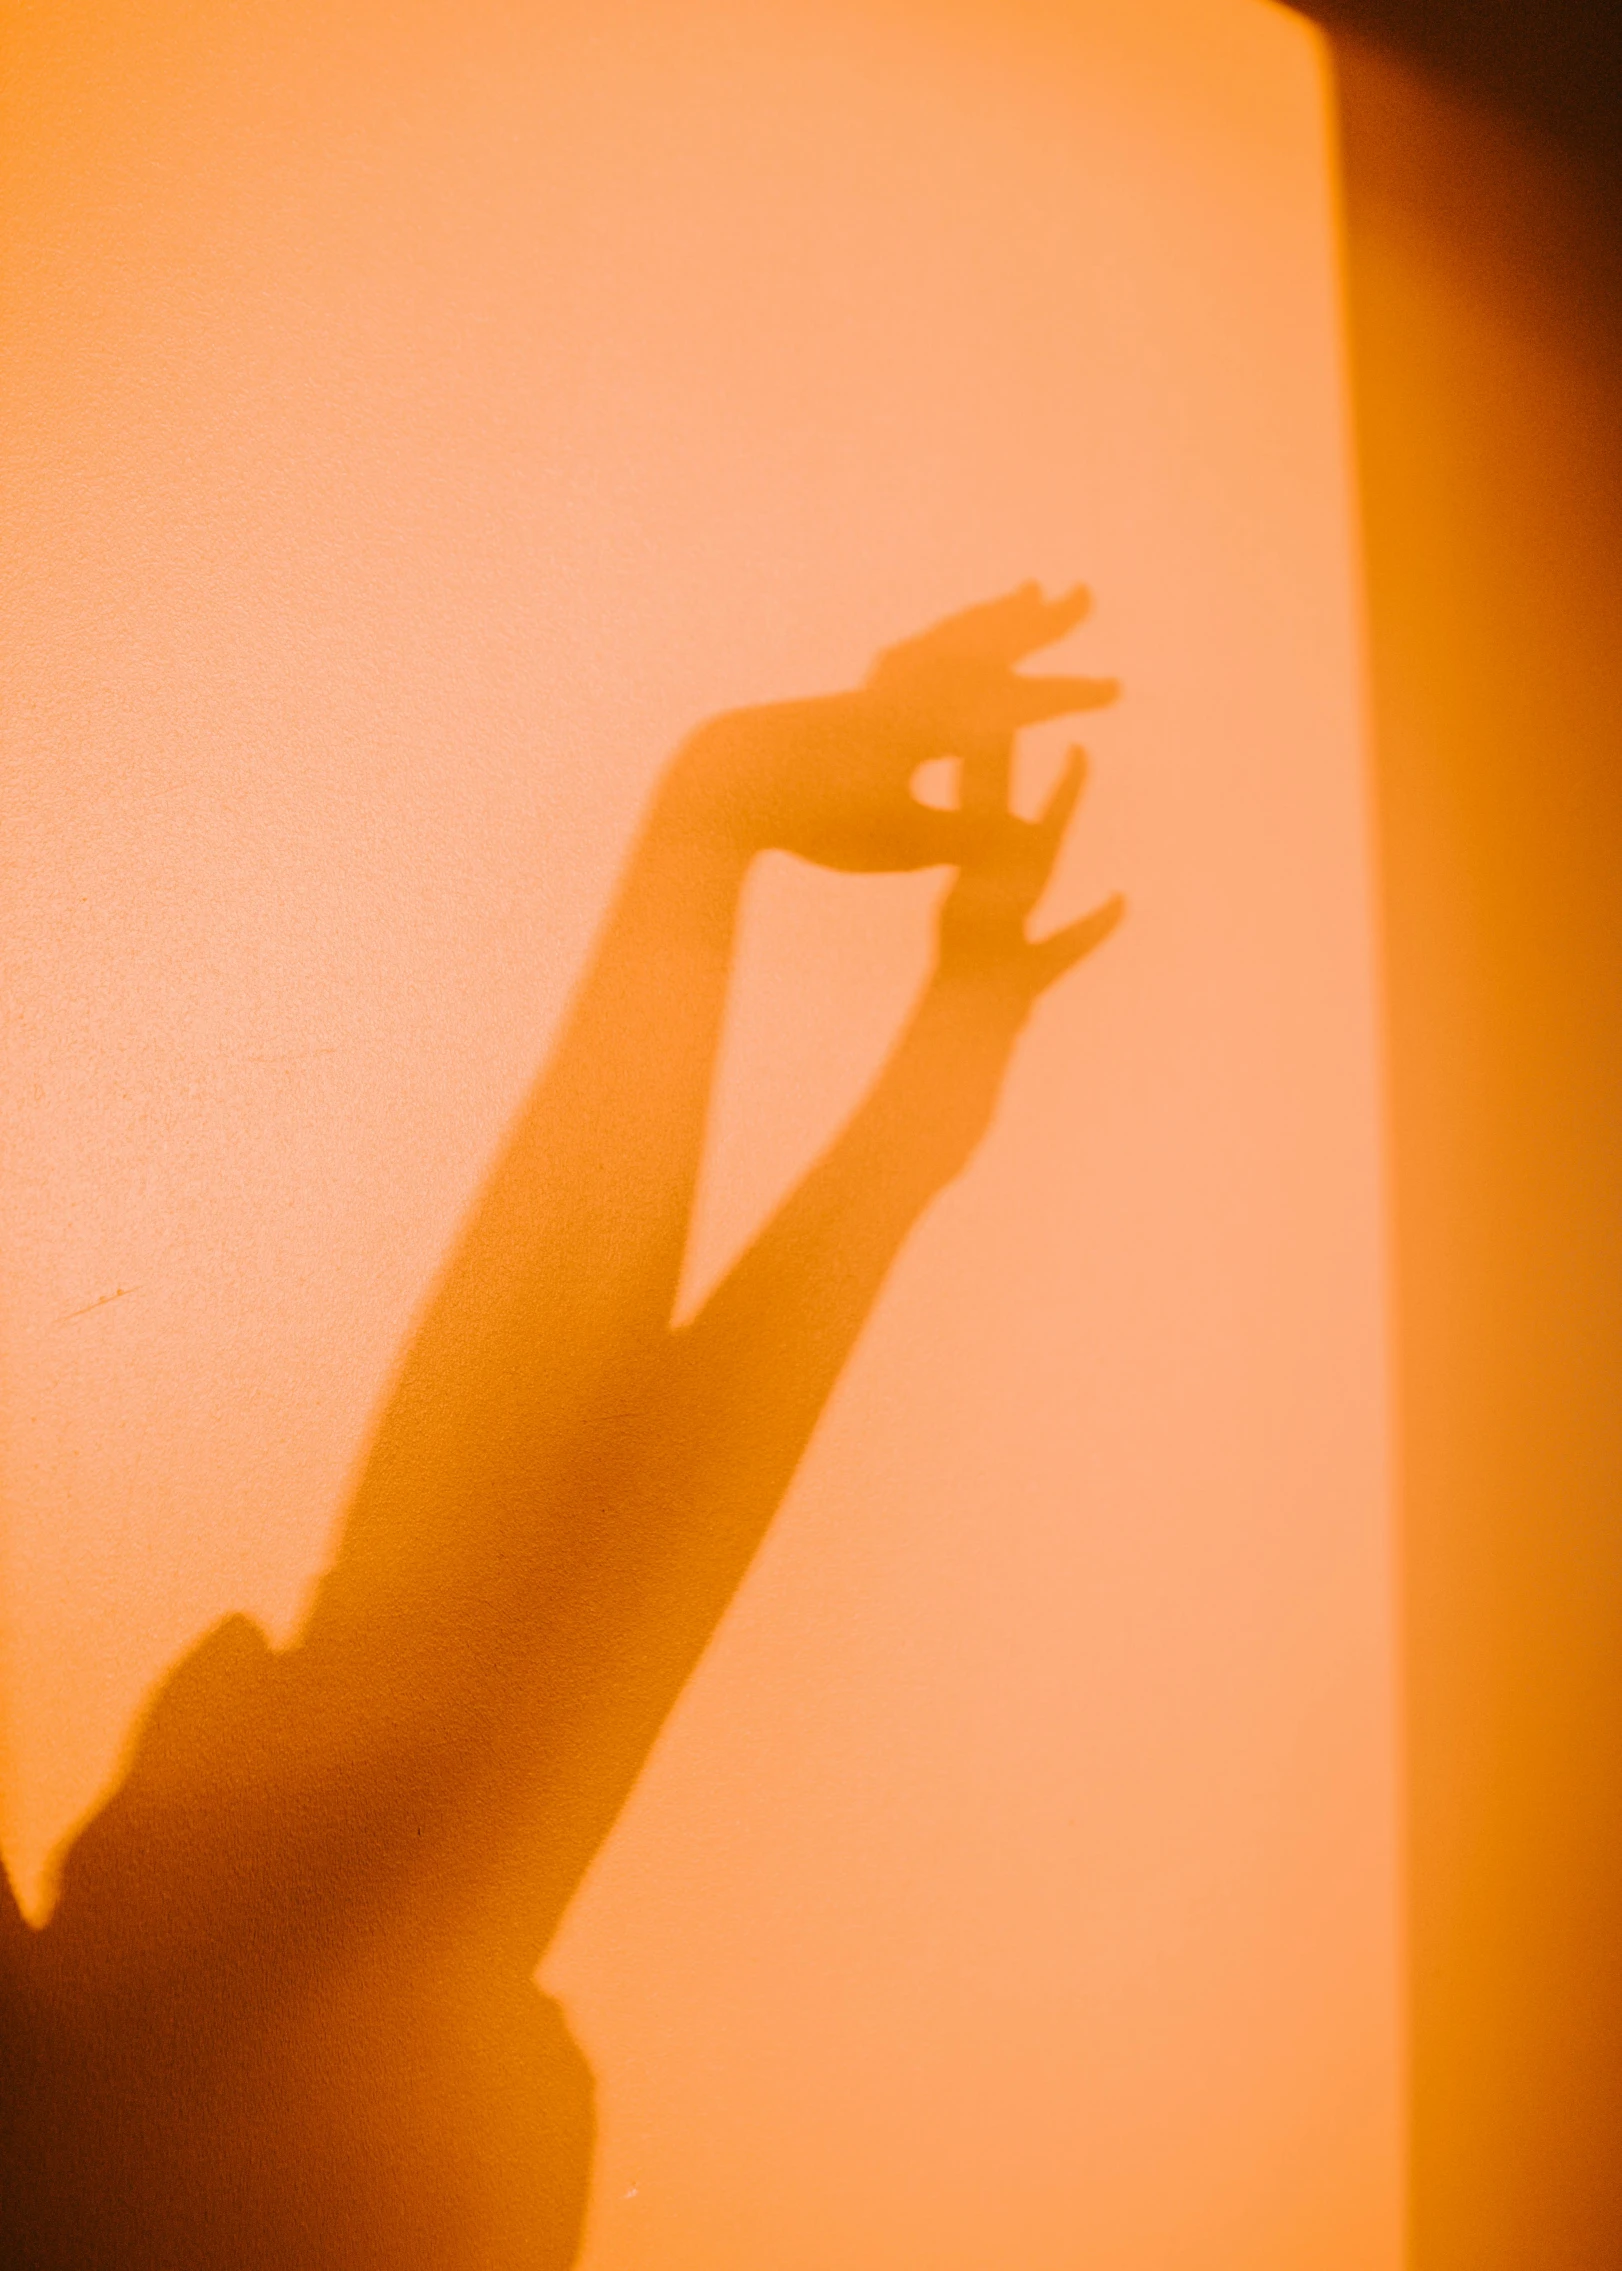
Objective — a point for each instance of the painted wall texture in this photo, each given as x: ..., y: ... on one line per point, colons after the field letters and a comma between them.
x: 420, y: 420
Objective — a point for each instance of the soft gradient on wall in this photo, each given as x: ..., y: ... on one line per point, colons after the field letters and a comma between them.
x: 421, y: 417
x: 1486, y: 300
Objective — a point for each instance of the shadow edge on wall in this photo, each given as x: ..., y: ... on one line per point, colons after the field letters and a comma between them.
x: 1481, y: 184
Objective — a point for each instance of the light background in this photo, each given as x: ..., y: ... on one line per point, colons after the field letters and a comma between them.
x: 418, y: 418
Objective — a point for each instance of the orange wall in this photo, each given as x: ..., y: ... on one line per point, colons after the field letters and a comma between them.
x: 422, y: 416
x: 1486, y: 302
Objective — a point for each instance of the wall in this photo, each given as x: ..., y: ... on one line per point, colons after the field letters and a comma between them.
x: 1486, y: 320
x: 421, y: 417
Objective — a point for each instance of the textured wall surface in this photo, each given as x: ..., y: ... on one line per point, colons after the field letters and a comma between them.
x: 420, y: 418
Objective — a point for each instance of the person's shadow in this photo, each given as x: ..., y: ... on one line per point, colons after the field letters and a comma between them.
x: 282, y: 2013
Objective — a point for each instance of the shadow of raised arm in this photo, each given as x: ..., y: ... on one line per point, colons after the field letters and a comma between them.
x: 474, y: 1608
x: 282, y: 2014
